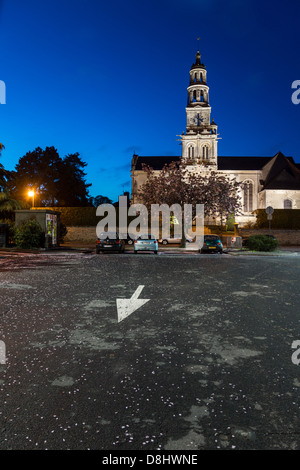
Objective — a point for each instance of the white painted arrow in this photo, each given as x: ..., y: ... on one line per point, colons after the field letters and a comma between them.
x: 127, y: 306
x: 2, y: 352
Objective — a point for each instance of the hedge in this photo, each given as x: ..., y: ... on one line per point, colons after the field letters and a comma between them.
x: 261, y: 243
x: 76, y: 216
x: 80, y: 216
x: 288, y: 219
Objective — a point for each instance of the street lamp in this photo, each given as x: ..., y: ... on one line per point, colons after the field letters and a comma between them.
x: 31, y: 194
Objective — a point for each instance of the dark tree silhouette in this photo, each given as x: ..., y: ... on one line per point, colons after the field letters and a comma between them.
x: 56, y: 181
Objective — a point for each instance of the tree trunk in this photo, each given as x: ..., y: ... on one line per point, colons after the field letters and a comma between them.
x: 221, y: 235
x: 183, y: 239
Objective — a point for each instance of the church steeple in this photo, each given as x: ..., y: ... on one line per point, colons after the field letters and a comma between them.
x: 198, y: 59
x: 199, y: 144
x: 198, y: 91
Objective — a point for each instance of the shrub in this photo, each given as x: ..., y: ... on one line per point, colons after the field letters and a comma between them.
x: 62, y: 232
x: 29, y: 235
x: 261, y: 243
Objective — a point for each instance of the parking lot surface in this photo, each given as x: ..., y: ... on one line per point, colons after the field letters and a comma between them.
x: 205, y: 363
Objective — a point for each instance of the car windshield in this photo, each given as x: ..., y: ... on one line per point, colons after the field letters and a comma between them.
x: 211, y: 237
x: 145, y: 236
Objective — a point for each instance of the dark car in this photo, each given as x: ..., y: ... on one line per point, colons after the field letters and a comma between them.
x: 110, y: 241
x: 212, y: 244
x: 128, y: 238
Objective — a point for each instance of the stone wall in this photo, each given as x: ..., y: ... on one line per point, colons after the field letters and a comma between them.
x: 81, y: 234
x: 284, y: 237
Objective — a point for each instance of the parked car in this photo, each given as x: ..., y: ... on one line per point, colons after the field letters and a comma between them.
x: 166, y: 241
x: 128, y: 238
x: 145, y: 242
x: 212, y: 244
x: 110, y: 241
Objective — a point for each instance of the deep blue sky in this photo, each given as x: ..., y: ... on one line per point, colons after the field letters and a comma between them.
x: 107, y: 78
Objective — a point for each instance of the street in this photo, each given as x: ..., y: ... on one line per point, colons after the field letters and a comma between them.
x: 205, y: 363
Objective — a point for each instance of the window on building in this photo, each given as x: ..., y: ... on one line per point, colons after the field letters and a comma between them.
x: 205, y: 152
x: 191, y: 151
x: 287, y: 204
x: 248, y: 196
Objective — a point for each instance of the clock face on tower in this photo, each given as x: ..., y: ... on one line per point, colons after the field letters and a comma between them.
x: 198, y: 119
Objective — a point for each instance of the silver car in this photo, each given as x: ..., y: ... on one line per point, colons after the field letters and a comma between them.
x: 145, y: 242
x: 170, y: 240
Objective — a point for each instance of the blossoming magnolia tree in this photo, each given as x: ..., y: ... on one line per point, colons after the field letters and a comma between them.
x: 177, y: 184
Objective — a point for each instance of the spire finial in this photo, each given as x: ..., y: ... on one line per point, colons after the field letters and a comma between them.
x: 198, y: 48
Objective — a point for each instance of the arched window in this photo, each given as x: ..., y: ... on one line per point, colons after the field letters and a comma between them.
x: 247, y: 196
x: 287, y: 204
x: 205, y: 152
x: 191, y: 152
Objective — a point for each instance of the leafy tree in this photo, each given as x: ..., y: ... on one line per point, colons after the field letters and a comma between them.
x: 56, y: 181
x: 98, y: 200
x: 2, y: 170
x: 72, y: 189
x: 223, y: 197
x: 177, y: 184
x: 37, y: 170
x: 7, y: 204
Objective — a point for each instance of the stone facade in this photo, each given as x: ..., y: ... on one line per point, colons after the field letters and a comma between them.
x: 265, y: 181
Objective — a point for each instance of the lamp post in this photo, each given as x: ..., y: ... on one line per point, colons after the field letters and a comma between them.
x: 31, y: 194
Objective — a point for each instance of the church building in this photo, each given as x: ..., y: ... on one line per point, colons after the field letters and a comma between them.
x: 266, y: 181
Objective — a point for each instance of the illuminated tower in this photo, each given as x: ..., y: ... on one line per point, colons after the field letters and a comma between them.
x: 199, y: 143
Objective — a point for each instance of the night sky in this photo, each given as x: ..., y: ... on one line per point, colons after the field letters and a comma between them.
x: 107, y: 79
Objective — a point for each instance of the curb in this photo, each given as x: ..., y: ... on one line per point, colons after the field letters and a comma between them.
x: 167, y: 250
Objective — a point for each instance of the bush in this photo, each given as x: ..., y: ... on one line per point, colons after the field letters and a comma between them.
x: 261, y: 243
x: 29, y: 235
x: 62, y: 232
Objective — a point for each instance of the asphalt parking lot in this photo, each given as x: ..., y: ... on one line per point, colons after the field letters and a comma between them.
x: 205, y: 363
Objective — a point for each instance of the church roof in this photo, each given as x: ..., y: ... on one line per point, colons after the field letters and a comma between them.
x: 242, y: 163
x: 281, y: 173
x: 278, y: 172
x: 157, y: 163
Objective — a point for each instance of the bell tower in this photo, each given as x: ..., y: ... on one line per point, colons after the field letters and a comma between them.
x: 199, y: 143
